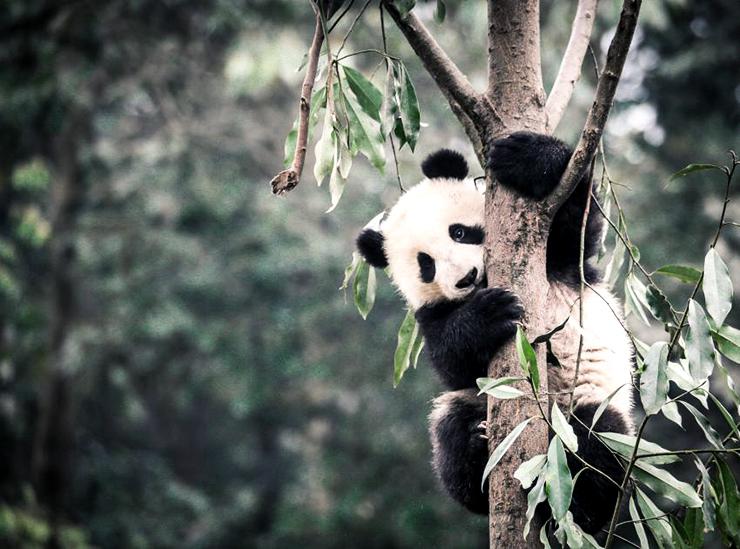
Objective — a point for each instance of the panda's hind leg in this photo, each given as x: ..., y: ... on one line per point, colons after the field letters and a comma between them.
x: 595, y: 496
x: 459, y: 446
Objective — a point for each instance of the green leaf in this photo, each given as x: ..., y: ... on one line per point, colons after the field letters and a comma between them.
x: 528, y: 471
x: 717, y: 287
x: 324, y: 150
x: 440, y: 12
x: 558, y: 482
x: 534, y: 498
x: 670, y: 411
x: 708, y: 509
x: 364, y: 289
x: 499, y: 388
x: 624, y: 445
x: 693, y: 524
x: 502, y: 448
x: 693, y: 168
x: 527, y: 358
x: 407, y: 106
x: 725, y: 414
x: 699, y: 347
x: 351, y: 269
x: 729, y: 509
x: 407, y: 335
x: 665, y: 484
x: 368, y: 96
x: 487, y: 383
x: 543, y: 534
x: 563, y: 429
x: 709, y: 433
x: 660, y: 527
x: 727, y: 339
x: 365, y: 136
x: 634, y: 297
x: 639, y: 528
x: 654, y: 379
x: 602, y: 407
x: 659, y: 305
x: 690, y: 275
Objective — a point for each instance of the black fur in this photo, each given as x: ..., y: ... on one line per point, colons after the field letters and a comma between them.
x: 370, y: 245
x: 461, y: 337
x: 532, y: 165
x: 465, y: 234
x: 461, y: 455
x: 427, y: 267
x: 445, y: 163
x: 461, y: 452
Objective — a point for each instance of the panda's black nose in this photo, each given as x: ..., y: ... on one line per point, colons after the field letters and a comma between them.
x: 468, y: 279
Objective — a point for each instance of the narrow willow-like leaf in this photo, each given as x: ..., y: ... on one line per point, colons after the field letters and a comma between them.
x: 725, y: 414
x: 602, y: 407
x: 558, y: 482
x: 502, y: 448
x: 563, y: 429
x: 660, y: 527
x: 406, y: 106
x: 407, y: 334
x: 717, y: 287
x: 699, y: 347
x: 654, y: 379
x: 416, y: 349
x: 693, y: 524
x: 543, y: 536
x: 690, y: 275
x: 364, y: 289
x: 665, y: 484
x: 351, y: 269
x: 528, y: 471
x: 729, y: 509
x: 534, y: 498
x: 691, y: 168
x: 324, y: 150
x: 568, y: 534
x: 701, y: 420
x: 727, y: 339
x: 527, y: 358
x: 634, y: 297
x: 624, y: 444
x: 708, y: 505
x: 659, y: 305
x: 639, y: 528
x: 617, y: 263
x: 671, y: 413
x: 504, y: 392
x: 365, y: 136
x: 368, y: 96
x: 440, y: 12
x: 486, y: 383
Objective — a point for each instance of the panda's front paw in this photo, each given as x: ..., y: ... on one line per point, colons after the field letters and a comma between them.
x: 499, y: 310
x: 529, y: 163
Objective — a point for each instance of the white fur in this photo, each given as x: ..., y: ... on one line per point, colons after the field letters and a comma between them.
x: 419, y: 222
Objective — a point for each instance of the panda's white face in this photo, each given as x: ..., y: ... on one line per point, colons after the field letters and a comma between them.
x: 433, y: 241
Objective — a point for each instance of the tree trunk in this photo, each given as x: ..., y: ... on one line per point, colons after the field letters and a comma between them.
x: 515, y: 230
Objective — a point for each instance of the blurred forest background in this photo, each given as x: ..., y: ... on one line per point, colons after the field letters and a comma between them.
x: 177, y: 365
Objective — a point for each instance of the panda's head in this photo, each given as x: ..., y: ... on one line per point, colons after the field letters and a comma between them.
x: 432, y: 238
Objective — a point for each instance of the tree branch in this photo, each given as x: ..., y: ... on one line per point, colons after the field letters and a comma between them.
x: 570, y: 66
x: 287, y: 180
x: 469, y: 106
x: 599, y: 112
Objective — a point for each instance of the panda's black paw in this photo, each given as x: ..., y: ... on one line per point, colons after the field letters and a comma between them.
x: 498, y: 309
x: 529, y: 163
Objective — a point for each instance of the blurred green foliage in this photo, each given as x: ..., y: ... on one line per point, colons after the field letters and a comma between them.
x: 222, y: 392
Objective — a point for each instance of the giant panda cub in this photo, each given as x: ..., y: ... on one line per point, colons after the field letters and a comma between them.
x: 432, y: 243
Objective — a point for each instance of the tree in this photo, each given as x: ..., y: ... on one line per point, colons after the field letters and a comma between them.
x: 514, y: 100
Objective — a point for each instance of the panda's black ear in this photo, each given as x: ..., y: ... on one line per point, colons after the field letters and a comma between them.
x: 445, y: 163
x: 370, y: 245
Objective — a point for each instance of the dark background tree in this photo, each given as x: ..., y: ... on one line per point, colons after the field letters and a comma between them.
x: 211, y: 387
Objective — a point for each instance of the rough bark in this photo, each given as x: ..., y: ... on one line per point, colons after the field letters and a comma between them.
x: 515, y: 229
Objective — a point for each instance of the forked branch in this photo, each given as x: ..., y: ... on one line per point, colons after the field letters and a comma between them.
x: 287, y: 180
x: 599, y: 112
x: 570, y: 66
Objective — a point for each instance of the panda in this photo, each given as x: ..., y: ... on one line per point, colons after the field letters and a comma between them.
x: 432, y: 243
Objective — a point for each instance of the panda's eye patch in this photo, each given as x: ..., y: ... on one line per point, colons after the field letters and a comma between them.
x: 427, y: 268
x: 466, y: 234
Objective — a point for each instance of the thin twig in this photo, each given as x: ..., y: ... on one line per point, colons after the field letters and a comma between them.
x: 287, y: 180
x: 352, y: 26
x: 388, y: 67
x: 570, y: 66
x: 597, y: 115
